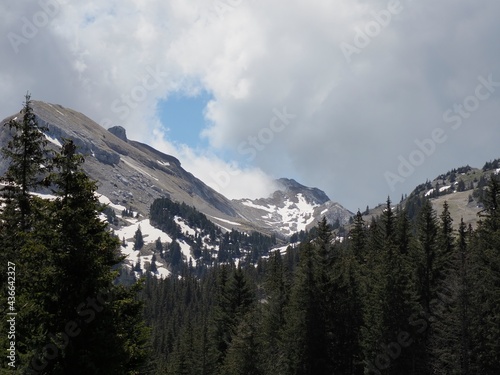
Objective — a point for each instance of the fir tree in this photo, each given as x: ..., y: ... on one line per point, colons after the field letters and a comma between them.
x: 28, y: 161
x: 138, y: 240
x: 306, y: 346
x: 450, y: 342
x: 485, y: 301
x: 243, y: 354
x: 273, y: 311
x: 65, y: 254
x: 358, y: 238
x: 83, y: 253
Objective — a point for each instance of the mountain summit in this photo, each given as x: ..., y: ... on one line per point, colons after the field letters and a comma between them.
x: 292, y: 208
x: 133, y: 174
x: 312, y: 194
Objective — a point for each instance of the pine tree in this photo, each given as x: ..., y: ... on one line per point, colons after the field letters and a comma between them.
x: 138, y: 240
x: 220, y: 327
x: 29, y: 162
x: 159, y: 247
x: 83, y: 253
x: 358, y: 238
x: 306, y: 349
x: 273, y: 311
x: 24, y: 220
x: 153, y: 268
x: 450, y: 342
x: 428, y: 276
x: 74, y: 319
x: 347, y: 309
x: 243, y: 354
x: 446, y: 239
x: 485, y: 301
x: 428, y: 237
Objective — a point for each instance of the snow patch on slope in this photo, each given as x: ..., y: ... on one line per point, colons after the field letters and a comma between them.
x: 184, y: 227
x: 249, y: 203
x: 149, y: 233
x: 225, y: 221
x: 162, y: 163
x: 105, y: 200
x: 54, y: 141
x: 186, y: 252
x: 138, y: 169
x: 292, y: 216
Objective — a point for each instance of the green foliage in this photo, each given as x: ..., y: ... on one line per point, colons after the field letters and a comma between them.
x: 138, y: 240
x: 395, y: 297
x: 72, y: 318
x: 165, y: 213
x: 29, y: 162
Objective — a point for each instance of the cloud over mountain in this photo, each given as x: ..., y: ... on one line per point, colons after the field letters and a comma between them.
x: 355, y: 113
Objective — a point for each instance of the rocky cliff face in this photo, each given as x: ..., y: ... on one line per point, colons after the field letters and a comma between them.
x: 129, y: 173
x: 133, y: 174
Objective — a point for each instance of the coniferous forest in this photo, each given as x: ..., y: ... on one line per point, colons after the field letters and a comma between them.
x: 397, y: 295
x: 62, y: 309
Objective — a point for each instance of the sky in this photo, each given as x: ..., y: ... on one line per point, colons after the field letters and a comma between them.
x: 362, y: 99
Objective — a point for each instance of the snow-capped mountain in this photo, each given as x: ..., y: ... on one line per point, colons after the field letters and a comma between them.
x: 292, y: 208
x: 132, y: 174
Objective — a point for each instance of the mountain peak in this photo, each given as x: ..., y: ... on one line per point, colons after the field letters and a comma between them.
x: 313, y: 194
x: 119, y: 131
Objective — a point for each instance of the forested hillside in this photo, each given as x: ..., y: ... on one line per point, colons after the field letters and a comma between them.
x: 395, y: 297
x: 209, y: 244
x: 404, y: 293
x: 60, y: 305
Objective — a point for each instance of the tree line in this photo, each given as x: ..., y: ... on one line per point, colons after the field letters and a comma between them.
x: 70, y: 317
x: 396, y: 296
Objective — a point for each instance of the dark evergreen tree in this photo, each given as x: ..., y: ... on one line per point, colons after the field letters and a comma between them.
x: 83, y: 252
x: 29, y: 162
x: 426, y: 255
x: 273, y: 311
x: 306, y: 349
x: 138, y: 240
x: 153, y: 268
x: 243, y: 354
x: 485, y: 302
x: 450, y: 342
x: 358, y: 238
x: 69, y: 321
x: 347, y: 309
x: 446, y: 239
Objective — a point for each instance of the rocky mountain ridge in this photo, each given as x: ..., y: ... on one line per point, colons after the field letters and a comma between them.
x: 133, y: 174
x: 292, y: 208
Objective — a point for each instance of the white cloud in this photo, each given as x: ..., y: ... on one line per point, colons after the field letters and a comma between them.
x: 115, y: 60
x: 228, y: 178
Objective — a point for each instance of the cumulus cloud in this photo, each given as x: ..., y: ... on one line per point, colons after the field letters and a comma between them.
x: 363, y: 83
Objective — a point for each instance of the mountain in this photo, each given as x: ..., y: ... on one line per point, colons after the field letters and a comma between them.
x: 461, y: 188
x: 292, y: 208
x: 132, y: 175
